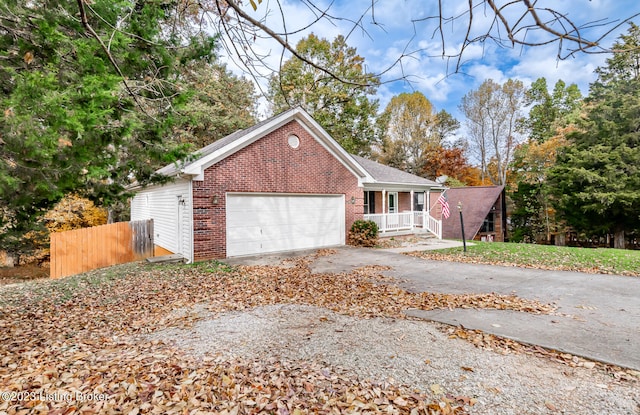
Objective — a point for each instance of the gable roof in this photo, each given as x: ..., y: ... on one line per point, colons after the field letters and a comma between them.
x: 367, y: 171
x: 382, y: 174
x: 476, y: 205
x: 218, y: 150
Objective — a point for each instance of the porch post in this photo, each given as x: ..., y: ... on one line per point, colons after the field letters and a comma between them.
x: 425, y: 210
x: 426, y: 201
x: 412, y: 220
x: 384, y: 215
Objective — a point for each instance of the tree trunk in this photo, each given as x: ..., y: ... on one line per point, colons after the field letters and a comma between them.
x: 618, y: 238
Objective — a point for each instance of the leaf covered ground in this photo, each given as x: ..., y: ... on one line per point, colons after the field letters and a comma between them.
x: 589, y: 260
x: 74, y: 345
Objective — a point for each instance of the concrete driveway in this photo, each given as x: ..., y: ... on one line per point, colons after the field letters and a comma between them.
x: 598, y: 316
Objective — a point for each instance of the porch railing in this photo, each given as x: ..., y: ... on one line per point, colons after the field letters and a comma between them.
x: 390, y: 222
x: 433, y: 225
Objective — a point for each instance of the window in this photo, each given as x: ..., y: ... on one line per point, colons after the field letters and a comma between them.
x: 489, y: 223
x: 393, y: 202
x: 293, y: 141
x: 369, y: 202
x: 418, y: 201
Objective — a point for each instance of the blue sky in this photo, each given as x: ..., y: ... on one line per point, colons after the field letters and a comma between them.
x: 396, y: 33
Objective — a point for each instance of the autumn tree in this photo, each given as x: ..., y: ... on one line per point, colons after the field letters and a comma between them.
x: 533, y: 218
x: 596, y: 179
x: 343, y: 108
x: 74, y: 212
x: 551, y: 117
x: 451, y: 162
x: 409, y: 130
x: 89, y: 97
x: 493, y: 114
x: 413, y: 133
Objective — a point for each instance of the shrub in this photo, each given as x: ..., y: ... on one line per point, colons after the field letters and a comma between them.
x: 363, y: 233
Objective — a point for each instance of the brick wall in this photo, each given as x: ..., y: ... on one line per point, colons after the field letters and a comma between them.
x: 269, y: 165
x: 404, y: 202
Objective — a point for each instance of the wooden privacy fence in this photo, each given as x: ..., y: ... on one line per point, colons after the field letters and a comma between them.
x: 81, y: 250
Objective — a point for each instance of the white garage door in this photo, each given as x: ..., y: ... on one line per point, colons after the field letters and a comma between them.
x: 259, y: 224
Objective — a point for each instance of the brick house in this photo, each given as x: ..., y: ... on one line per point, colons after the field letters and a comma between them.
x: 283, y: 184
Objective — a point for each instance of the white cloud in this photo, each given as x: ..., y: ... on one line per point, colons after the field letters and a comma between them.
x: 397, y: 31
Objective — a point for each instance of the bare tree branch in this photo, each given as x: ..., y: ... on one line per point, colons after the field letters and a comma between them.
x: 286, y: 45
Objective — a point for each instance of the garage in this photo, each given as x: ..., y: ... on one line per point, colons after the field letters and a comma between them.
x: 263, y: 223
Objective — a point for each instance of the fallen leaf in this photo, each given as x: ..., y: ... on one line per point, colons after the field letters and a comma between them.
x: 437, y: 389
x: 550, y: 406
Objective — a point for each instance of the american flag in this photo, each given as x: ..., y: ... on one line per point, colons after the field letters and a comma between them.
x: 445, y: 206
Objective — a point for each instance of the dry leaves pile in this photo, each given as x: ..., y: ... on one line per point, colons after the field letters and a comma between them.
x: 77, y: 335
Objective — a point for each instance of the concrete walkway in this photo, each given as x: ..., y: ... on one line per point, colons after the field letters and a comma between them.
x: 598, y: 316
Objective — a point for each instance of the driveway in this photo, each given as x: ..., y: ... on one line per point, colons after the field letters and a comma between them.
x: 598, y: 316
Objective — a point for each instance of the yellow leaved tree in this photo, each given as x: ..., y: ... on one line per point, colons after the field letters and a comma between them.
x: 74, y: 212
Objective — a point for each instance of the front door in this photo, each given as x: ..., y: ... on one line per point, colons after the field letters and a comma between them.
x: 393, y: 202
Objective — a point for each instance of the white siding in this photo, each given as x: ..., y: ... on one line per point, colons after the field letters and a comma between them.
x: 170, y: 206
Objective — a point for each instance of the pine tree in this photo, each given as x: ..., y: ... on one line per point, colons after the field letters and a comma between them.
x: 596, y: 180
x: 89, y: 95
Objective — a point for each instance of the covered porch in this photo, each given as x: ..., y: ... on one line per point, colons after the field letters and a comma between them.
x: 398, y: 210
x: 398, y: 201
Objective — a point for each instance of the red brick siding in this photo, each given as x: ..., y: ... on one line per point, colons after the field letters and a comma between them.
x: 498, y: 233
x: 435, y: 208
x: 378, y: 202
x: 404, y: 202
x: 269, y: 165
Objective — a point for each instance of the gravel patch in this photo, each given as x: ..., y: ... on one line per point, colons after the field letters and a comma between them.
x: 413, y: 353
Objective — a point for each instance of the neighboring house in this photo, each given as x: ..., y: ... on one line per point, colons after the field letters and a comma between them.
x: 283, y: 184
x: 484, y: 213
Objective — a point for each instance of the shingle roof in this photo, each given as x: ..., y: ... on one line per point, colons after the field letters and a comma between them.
x: 380, y: 173
x: 476, y: 204
x: 386, y: 174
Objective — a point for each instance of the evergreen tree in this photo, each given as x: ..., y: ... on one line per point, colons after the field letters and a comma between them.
x: 596, y: 180
x: 550, y: 117
x: 88, y: 100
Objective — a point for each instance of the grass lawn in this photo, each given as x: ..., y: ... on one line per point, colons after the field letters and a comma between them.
x: 598, y: 261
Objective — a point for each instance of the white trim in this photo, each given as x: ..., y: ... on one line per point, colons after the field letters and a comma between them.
x: 198, y: 167
x: 193, y: 242
x: 400, y: 187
